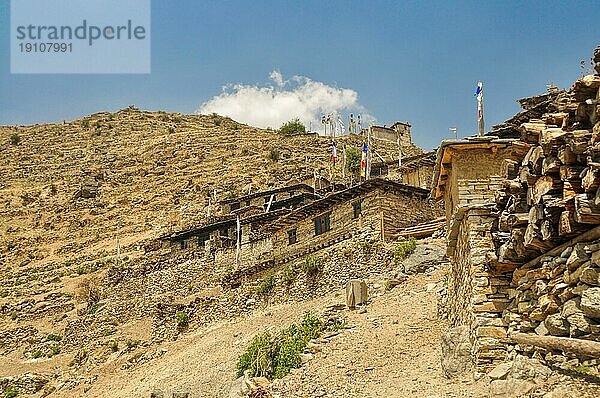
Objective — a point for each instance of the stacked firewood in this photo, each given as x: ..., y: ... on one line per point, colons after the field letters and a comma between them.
x: 553, y: 194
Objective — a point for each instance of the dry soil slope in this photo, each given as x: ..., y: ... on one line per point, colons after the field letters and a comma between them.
x: 154, y: 170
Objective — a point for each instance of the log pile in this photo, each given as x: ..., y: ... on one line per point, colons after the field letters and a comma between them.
x: 553, y: 194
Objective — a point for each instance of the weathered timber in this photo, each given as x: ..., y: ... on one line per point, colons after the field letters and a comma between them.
x: 544, y: 185
x: 517, y: 219
x: 586, y: 211
x: 587, y: 348
x: 590, y: 180
x: 566, y: 155
x: 550, y: 164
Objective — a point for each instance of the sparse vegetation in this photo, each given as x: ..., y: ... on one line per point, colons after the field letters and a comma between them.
x: 114, y: 346
x: 312, y: 265
x: 294, y: 126
x: 266, y: 285
x: 182, y: 319
x: 37, y: 354
x: 15, y: 139
x: 55, y: 350
x: 404, y: 249
x: 10, y: 392
x: 274, y: 155
x: 288, y: 275
x: 353, y: 157
x: 273, y: 356
x: 13, y: 315
x: 54, y: 337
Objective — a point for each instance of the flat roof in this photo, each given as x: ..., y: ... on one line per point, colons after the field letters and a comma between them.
x: 325, y: 203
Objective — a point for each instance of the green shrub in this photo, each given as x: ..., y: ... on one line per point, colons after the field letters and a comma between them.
x: 37, y: 354
x: 3, y: 293
x: 85, y: 123
x: 182, y: 319
x: 292, y: 127
x: 54, y: 337
x: 274, y: 154
x: 13, y: 315
x: 114, y: 346
x: 81, y: 270
x: 55, y: 350
x: 312, y: 265
x: 10, y: 392
x: 404, y: 249
x: 274, y: 355
x: 288, y: 274
x: 353, y: 157
x: 266, y: 285
x: 15, y: 139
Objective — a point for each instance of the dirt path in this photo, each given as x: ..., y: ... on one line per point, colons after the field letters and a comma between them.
x: 391, y: 350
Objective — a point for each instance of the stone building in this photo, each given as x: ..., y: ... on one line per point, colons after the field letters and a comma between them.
x: 398, y: 131
x: 467, y: 174
x: 290, y: 196
x: 375, y: 208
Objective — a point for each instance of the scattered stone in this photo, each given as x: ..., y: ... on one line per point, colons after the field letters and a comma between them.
x: 181, y: 394
x: 304, y: 358
x: 500, y: 371
x: 511, y: 388
x: 157, y: 394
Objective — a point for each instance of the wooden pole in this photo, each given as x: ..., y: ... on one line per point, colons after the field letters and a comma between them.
x: 587, y: 348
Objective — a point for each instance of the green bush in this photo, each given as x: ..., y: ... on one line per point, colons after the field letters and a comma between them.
x: 312, y: 265
x: 54, y: 337
x: 294, y: 126
x: 273, y: 356
x: 404, y: 249
x: 353, y: 157
x: 15, y: 139
x: 266, y: 285
x: 55, y: 350
x: 114, y: 346
x: 182, y: 319
x: 288, y: 274
x: 37, y: 354
x: 10, y: 392
x: 274, y: 155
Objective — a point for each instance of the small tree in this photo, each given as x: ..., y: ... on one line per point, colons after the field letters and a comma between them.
x: 292, y: 127
x: 353, y: 157
x: 15, y: 139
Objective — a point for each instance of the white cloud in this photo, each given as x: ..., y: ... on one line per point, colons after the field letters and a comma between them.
x: 272, y: 105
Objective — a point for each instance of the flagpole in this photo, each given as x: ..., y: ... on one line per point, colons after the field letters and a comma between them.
x: 480, y: 120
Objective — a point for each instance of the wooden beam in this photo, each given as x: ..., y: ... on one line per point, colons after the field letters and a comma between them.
x: 586, y: 348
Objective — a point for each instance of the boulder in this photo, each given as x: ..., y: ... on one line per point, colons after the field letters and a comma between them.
x: 590, y: 275
x: 456, y: 351
x: 356, y: 293
x: 500, y: 371
x: 556, y: 325
x: 511, y: 388
x: 590, y: 302
x: 425, y: 257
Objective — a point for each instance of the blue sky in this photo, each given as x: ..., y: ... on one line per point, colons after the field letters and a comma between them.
x: 415, y: 61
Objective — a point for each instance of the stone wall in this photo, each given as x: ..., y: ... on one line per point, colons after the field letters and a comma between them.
x: 419, y: 177
x: 477, y: 296
x: 558, y: 296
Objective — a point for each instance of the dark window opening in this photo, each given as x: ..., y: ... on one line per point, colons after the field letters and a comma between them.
x: 292, y: 237
x: 322, y: 224
x: 247, y: 203
x: 234, y: 206
x: 357, y: 208
x: 202, y: 240
x: 183, y: 244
